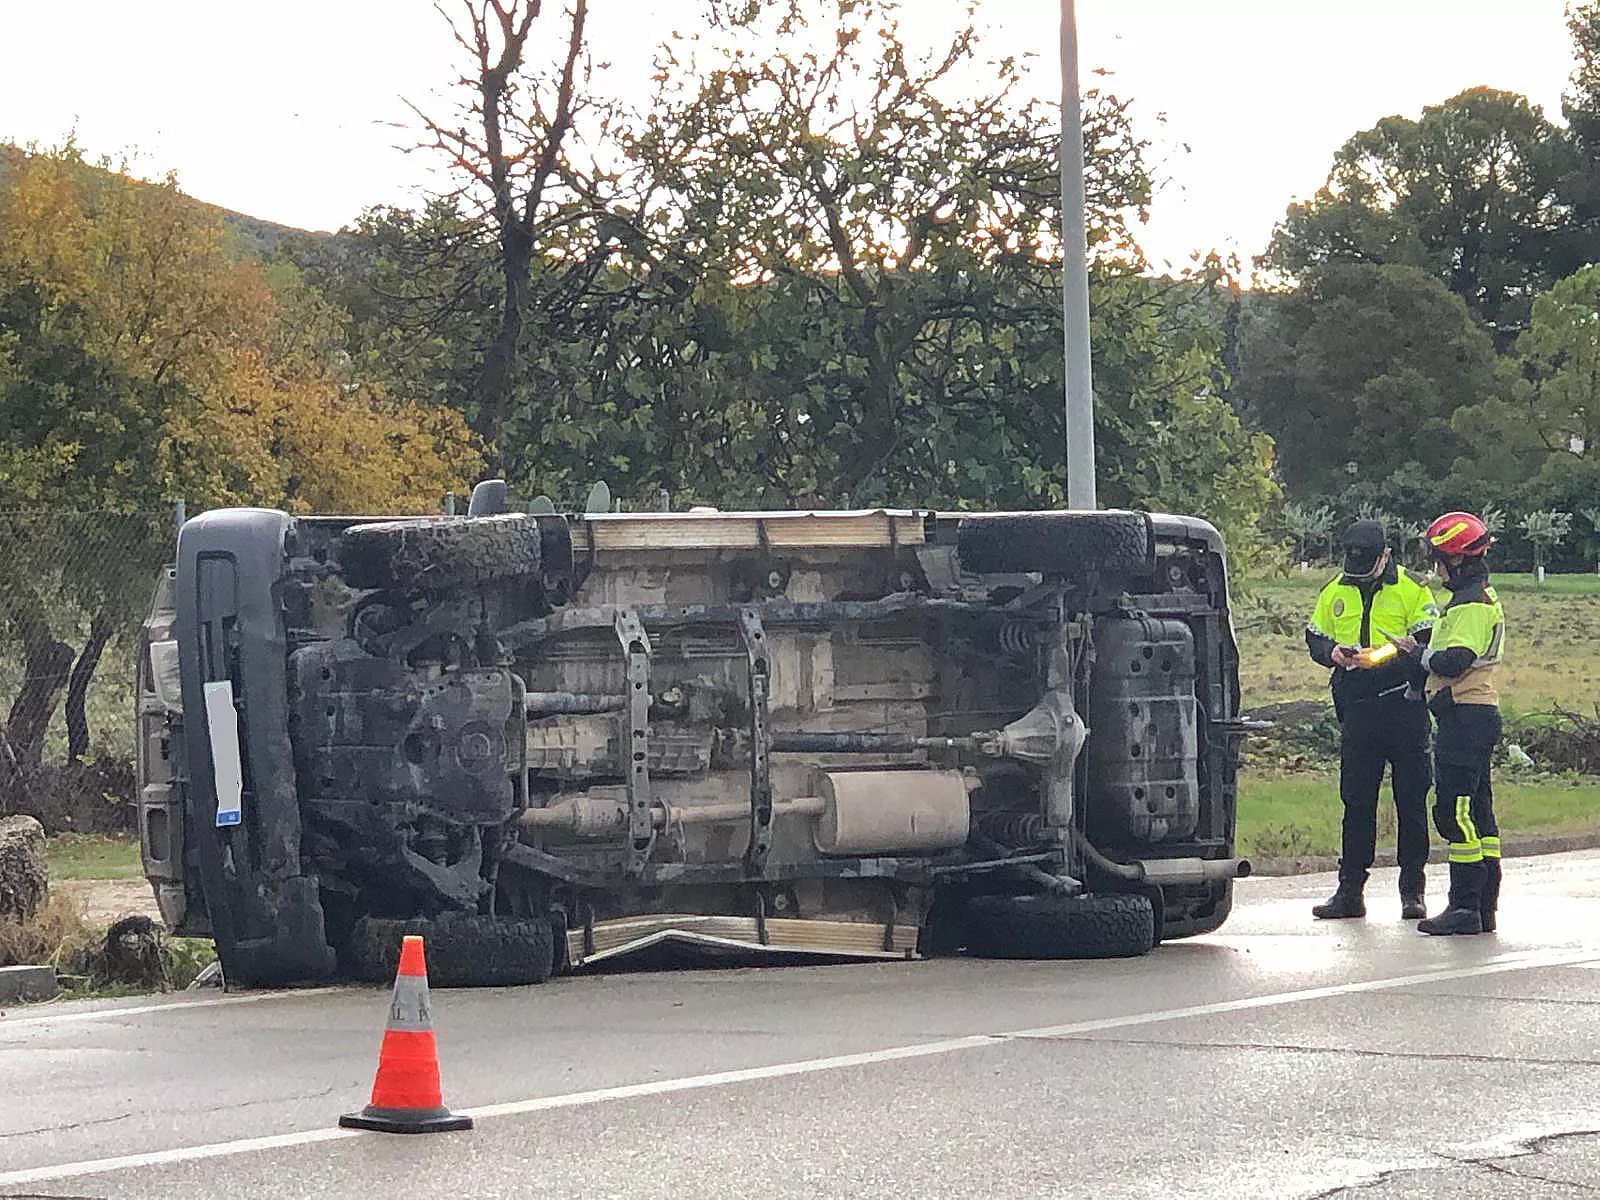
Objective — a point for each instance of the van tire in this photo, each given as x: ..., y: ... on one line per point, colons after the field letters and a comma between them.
x: 1055, y: 543
x: 440, y: 552
x: 463, y: 949
x: 1052, y: 927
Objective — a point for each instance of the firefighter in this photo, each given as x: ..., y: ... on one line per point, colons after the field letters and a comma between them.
x: 1382, y: 720
x: 1460, y: 663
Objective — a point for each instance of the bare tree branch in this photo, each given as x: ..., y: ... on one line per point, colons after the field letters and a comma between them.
x: 495, y: 35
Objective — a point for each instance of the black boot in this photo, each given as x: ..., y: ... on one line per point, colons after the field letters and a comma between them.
x: 1462, y: 916
x: 1412, y: 889
x: 1345, y: 902
x: 1453, y: 920
x: 1489, y: 899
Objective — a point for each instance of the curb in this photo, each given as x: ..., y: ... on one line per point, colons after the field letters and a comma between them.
x: 1513, y: 847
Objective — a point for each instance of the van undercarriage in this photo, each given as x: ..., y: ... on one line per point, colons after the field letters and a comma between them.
x: 548, y: 741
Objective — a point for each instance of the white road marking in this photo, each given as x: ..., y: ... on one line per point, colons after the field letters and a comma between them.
x: 1509, y: 962
x: 104, y: 1014
x: 634, y: 1091
x: 279, y: 1141
x: 662, y: 1087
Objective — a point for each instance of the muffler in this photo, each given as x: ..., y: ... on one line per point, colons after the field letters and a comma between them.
x: 857, y: 813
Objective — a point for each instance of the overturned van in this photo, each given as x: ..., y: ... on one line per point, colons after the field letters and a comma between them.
x: 548, y: 741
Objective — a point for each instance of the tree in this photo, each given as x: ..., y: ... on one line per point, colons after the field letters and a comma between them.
x: 140, y: 360
x: 509, y: 142
x: 417, y: 294
x: 1541, y: 433
x: 869, y: 248
x: 824, y: 153
x: 1165, y: 438
x: 53, y: 439
x: 255, y: 405
x: 821, y: 270
x: 1409, y: 534
x: 1470, y: 192
x: 92, y: 372
x: 1560, y: 357
x: 1306, y: 524
x: 1369, y: 510
x: 1581, y: 107
x: 1357, y: 374
x: 1592, y: 541
x: 1545, y: 529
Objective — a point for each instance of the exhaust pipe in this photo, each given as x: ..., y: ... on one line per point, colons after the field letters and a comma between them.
x: 1165, y: 872
x: 1162, y: 871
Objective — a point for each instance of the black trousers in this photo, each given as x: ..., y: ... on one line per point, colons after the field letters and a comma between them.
x: 1463, y: 805
x: 1389, y: 731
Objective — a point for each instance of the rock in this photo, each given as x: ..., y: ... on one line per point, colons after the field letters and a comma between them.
x: 131, y: 954
x: 26, y: 983
x: 24, y: 877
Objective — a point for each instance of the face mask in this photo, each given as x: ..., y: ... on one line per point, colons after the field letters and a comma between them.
x: 1377, y: 568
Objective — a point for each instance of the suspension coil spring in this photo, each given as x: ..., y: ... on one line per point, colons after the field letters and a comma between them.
x: 1012, y: 828
x: 1016, y: 637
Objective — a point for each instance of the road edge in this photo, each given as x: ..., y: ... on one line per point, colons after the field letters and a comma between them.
x: 1512, y: 847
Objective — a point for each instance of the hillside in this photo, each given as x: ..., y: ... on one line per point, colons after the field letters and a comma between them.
x: 248, y: 235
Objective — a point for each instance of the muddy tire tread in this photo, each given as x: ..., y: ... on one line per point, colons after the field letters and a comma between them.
x: 1060, y: 927
x: 439, y: 553
x: 463, y: 949
x: 1055, y: 542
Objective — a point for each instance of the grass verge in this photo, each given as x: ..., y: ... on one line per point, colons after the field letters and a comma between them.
x: 1552, y: 642
x: 92, y: 856
x: 56, y: 936
x: 89, y: 964
x: 1297, y: 815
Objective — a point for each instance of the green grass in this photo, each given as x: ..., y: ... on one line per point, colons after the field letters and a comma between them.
x: 1553, y: 585
x: 87, y: 856
x: 1552, y: 642
x: 1517, y: 584
x: 1299, y: 814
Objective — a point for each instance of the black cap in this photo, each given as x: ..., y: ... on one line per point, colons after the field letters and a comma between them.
x: 1363, y: 543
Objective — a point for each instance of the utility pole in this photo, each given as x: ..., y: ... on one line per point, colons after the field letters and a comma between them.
x: 1075, y: 276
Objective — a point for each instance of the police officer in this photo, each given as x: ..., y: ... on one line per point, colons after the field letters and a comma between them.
x: 1460, y: 662
x: 1381, y: 716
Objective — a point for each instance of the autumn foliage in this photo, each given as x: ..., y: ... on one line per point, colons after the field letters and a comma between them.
x: 143, y: 360
x: 222, y: 369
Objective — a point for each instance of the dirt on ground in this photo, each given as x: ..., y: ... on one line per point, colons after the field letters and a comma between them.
x: 103, y: 901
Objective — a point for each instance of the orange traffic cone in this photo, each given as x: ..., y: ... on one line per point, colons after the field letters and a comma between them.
x: 405, y: 1092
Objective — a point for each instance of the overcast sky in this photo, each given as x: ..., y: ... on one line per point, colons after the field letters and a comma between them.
x: 288, y: 110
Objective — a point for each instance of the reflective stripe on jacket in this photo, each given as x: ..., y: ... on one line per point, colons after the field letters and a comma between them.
x: 1367, y: 614
x: 1403, y: 605
x: 1473, y: 621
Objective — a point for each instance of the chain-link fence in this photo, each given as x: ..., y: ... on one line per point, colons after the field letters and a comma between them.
x: 74, y: 588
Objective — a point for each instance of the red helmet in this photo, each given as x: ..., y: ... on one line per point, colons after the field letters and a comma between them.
x: 1458, y: 533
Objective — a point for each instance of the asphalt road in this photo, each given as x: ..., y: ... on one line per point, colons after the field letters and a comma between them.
x: 1280, y: 1058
